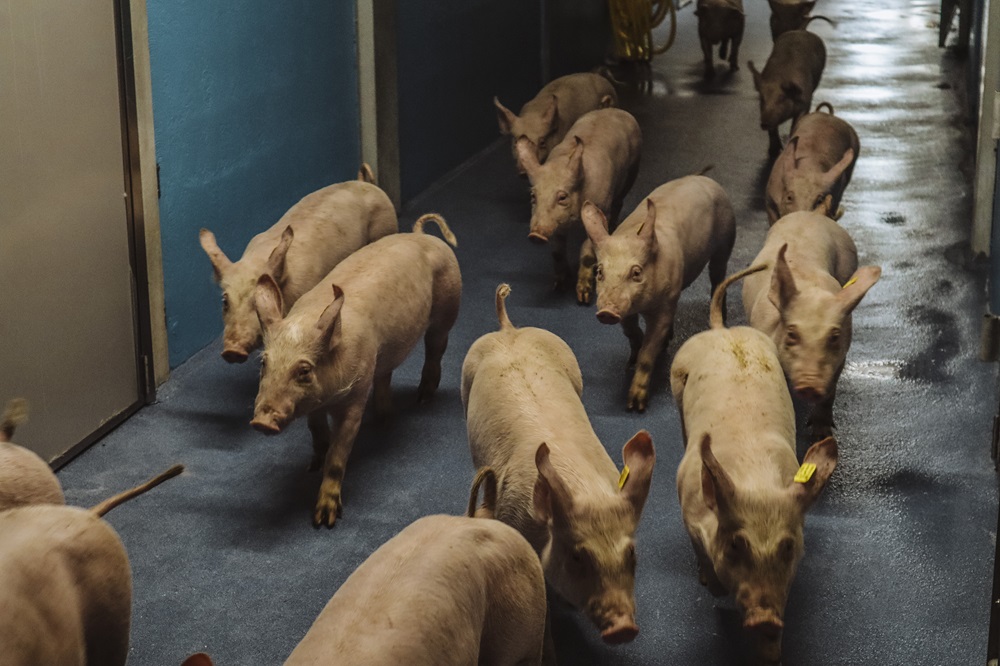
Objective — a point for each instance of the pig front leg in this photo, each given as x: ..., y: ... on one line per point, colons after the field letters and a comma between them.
x: 820, y: 421
x: 734, y: 54
x: 632, y: 330
x: 382, y: 396
x: 319, y: 428
x: 585, y: 275
x: 706, y: 571
x: 348, y: 419
x: 658, y: 329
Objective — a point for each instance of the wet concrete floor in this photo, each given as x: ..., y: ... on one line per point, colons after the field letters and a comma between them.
x: 899, y: 548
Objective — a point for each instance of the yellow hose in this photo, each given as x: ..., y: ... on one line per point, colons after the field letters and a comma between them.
x: 632, y: 23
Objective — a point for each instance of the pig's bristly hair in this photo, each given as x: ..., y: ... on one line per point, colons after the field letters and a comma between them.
x: 123, y: 497
x: 718, y: 298
x: 418, y: 227
x: 503, y: 291
x: 14, y: 414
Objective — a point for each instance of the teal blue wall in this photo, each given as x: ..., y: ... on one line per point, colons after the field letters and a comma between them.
x: 255, y: 104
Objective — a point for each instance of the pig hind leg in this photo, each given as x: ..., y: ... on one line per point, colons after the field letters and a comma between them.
x: 443, y: 316
x: 734, y: 53
x: 319, y: 428
x: 632, y: 330
x: 717, y: 267
x: 382, y: 396
x: 706, y: 50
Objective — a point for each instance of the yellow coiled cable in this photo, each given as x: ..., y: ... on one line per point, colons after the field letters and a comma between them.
x: 632, y: 23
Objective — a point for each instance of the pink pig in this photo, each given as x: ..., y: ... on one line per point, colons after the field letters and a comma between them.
x: 657, y: 251
x: 741, y: 501
x: 343, y: 338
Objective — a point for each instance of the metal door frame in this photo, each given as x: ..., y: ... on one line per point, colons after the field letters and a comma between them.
x: 135, y: 223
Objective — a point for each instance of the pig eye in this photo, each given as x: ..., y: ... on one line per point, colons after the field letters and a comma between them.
x: 630, y: 557
x: 600, y: 272
x: 562, y: 198
x: 263, y: 365
x: 786, y: 549
x: 792, y: 338
x: 579, y: 562
x: 739, y: 547
x: 834, y: 339
x: 225, y: 303
x: 636, y: 273
x: 532, y: 197
x: 541, y: 144
x: 303, y: 373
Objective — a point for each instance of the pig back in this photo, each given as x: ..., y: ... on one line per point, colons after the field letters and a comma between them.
x: 798, y: 55
x: 694, y: 221
x: 576, y: 94
x: 68, y: 566
x: 26, y: 479
x: 825, y: 138
x: 426, y: 596
x: 611, y: 143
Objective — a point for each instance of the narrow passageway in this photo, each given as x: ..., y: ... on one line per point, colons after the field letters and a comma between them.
x: 899, y: 548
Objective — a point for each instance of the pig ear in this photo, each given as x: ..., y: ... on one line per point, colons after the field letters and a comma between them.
x: 267, y: 302
x: 551, y: 500
x: 783, y: 288
x: 220, y: 262
x: 640, y: 457
x: 716, y: 487
x: 831, y: 176
x: 823, y: 454
x: 856, y: 288
x: 756, y: 74
x: 527, y: 155
x: 647, y: 230
x: 807, y: 7
x: 328, y: 323
x: 576, y: 160
x: 595, y: 222
x: 550, y: 118
x: 276, y: 261
x: 792, y: 90
x: 505, y: 117
x: 199, y: 659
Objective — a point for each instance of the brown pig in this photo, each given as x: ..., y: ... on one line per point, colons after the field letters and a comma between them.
x: 597, y: 162
x: 804, y: 304
x: 720, y: 22
x: 310, y: 239
x: 555, y: 483
x: 657, y: 251
x: 786, y: 84
x: 66, y: 597
x: 740, y: 500
x: 814, y: 168
x: 786, y: 16
x: 344, y: 337
x: 445, y: 591
x: 545, y: 119
x: 24, y: 477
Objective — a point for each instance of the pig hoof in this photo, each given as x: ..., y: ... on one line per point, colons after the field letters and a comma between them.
x: 637, y: 401
x: 328, y: 509
x: 583, y: 295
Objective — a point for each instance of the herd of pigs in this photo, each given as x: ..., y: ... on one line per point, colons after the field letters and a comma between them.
x: 338, y: 299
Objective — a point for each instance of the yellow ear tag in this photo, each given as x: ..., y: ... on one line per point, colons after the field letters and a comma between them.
x: 805, y: 473
x: 623, y: 477
x: 850, y: 282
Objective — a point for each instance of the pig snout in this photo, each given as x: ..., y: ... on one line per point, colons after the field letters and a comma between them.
x: 764, y: 622
x: 268, y: 421
x: 622, y: 630
x: 537, y: 237
x: 608, y: 316
x: 235, y: 355
x: 810, y: 393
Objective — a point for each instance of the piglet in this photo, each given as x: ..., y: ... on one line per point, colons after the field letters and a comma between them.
x: 786, y: 85
x: 344, y: 338
x: 815, y: 166
x: 66, y: 597
x: 804, y: 304
x: 720, y: 22
x: 786, y: 16
x: 741, y: 501
x: 545, y: 119
x: 310, y: 239
x: 24, y: 477
x: 445, y: 591
x: 597, y: 161
x: 555, y: 483
x: 657, y: 251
